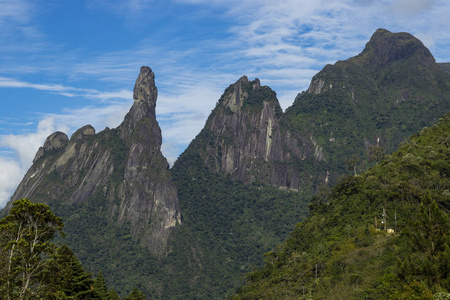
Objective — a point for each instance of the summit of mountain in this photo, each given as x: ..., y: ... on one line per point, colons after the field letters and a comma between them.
x: 245, y: 138
x: 109, y: 185
x: 378, y: 98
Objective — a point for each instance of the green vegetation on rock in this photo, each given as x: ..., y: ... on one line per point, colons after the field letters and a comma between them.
x: 193, y: 232
x: 380, y: 97
x: 346, y: 250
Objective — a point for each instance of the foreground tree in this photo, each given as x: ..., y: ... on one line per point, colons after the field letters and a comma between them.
x: 33, y: 267
x: 135, y: 295
x: 26, y: 236
x: 65, y: 277
x: 100, y: 286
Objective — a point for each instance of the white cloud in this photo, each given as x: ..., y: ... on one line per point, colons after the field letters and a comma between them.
x: 12, y: 83
x: 10, y: 177
x: 24, y: 147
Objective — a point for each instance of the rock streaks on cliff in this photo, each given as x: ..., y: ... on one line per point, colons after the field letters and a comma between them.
x: 248, y: 140
x: 122, y: 168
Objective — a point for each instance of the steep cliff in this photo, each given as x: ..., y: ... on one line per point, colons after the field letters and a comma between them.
x: 119, y: 173
x: 240, y: 188
x: 245, y: 137
x: 390, y: 90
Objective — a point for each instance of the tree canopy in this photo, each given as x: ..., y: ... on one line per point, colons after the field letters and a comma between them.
x: 33, y: 266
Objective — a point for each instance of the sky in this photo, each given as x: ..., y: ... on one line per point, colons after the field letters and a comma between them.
x: 65, y: 64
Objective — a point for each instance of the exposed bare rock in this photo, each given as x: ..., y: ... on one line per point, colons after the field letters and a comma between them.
x: 55, y: 141
x: 120, y: 171
x: 246, y: 138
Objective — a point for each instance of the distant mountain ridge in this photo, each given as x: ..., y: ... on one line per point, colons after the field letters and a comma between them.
x: 242, y: 184
x: 380, y: 97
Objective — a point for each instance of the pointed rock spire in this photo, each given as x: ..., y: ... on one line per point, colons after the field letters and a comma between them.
x: 145, y: 95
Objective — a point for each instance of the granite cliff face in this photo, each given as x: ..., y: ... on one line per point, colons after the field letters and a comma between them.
x: 120, y: 173
x: 241, y: 184
x: 247, y: 140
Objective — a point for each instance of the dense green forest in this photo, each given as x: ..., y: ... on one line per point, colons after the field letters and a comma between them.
x: 227, y: 227
x: 34, y: 266
x: 383, y: 234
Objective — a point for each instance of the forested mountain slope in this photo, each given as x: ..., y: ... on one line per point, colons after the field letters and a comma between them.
x: 238, y: 189
x: 380, y: 97
x: 345, y: 251
x: 194, y: 231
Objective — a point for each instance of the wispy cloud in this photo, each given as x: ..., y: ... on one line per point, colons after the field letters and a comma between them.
x: 66, y: 91
x: 126, y: 8
x: 411, y: 7
x: 15, y: 11
x: 26, y: 145
x: 284, y: 43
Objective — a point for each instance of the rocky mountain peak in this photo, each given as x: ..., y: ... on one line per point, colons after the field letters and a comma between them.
x: 86, y: 130
x: 145, y: 95
x: 236, y: 97
x: 118, y: 175
x: 144, y: 88
x: 385, y: 47
x: 55, y: 141
x: 246, y: 139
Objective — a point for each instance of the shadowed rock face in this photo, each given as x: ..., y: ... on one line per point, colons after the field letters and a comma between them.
x: 386, y: 47
x: 121, y: 171
x: 247, y: 141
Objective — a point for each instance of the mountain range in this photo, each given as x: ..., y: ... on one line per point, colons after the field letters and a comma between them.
x: 246, y: 180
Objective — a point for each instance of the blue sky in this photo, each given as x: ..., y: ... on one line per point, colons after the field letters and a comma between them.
x: 65, y: 64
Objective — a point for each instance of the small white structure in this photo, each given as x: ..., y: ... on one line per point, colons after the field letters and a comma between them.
x: 389, y: 231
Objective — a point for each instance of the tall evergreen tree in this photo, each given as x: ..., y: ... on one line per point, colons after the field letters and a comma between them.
x: 65, y: 275
x: 112, y: 295
x: 135, y: 295
x: 100, y: 286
